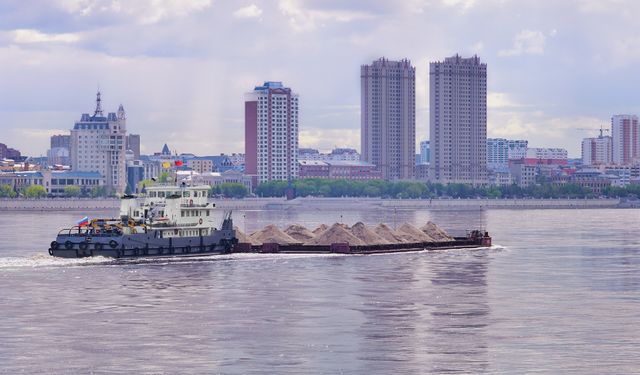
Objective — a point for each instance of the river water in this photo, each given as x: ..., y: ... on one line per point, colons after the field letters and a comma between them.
x: 559, y: 292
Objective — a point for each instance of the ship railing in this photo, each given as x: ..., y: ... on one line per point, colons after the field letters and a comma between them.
x: 75, y: 231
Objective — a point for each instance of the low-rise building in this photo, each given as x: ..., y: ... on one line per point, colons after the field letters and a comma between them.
x: 56, y: 181
x: 500, y: 177
x: 522, y: 174
x: 53, y: 181
x: 200, y: 165
x: 215, y: 178
x: 338, y: 169
x: 313, y: 168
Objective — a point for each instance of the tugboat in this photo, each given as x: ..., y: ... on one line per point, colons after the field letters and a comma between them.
x: 168, y: 221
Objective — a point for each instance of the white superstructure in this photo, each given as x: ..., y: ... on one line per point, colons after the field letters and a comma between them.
x: 98, y: 144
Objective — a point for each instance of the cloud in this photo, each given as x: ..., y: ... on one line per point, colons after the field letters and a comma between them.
x: 464, y: 4
x: 250, y: 11
x: 303, y: 18
x: 526, y: 42
x: 501, y: 100
x: 327, y: 139
x: 35, y: 36
x: 142, y: 11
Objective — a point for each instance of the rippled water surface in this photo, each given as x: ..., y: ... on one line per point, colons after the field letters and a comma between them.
x: 559, y: 292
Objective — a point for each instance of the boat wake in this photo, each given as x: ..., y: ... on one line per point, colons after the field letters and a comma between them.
x: 47, y: 261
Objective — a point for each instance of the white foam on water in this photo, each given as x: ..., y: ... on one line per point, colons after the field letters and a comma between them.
x: 45, y: 260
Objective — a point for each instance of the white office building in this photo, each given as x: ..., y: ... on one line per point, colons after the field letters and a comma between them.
x: 500, y: 150
x: 597, y: 151
x: 271, y: 133
x: 98, y: 144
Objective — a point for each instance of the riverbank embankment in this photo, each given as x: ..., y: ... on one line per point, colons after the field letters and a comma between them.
x: 59, y: 204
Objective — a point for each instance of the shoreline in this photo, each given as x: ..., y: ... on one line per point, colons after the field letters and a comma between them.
x: 62, y: 204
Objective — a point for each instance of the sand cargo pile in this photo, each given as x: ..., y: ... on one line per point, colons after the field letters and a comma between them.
x: 359, y: 238
x: 357, y: 235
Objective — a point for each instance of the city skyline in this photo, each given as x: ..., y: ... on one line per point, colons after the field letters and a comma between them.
x: 554, y: 68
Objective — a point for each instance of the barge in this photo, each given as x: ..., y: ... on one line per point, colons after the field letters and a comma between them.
x: 176, y: 221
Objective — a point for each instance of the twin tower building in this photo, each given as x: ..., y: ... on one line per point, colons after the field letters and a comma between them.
x: 458, y: 123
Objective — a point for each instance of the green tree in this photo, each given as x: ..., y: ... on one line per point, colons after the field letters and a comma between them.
x: 164, y: 178
x: 6, y: 191
x: 35, y: 191
x: 233, y: 190
x: 72, y: 191
x: 98, y: 191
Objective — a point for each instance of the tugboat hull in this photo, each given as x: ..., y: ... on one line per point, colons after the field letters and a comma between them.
x: 141, y: 245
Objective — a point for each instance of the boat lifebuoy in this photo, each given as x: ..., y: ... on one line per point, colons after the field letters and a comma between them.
x: 50, y: 252
x: 200, y: 221
x: 113, y: 244
x: 55, y: 245
x: 68, y: 245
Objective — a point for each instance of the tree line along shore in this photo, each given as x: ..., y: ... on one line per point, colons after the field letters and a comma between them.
x: 314, y: 187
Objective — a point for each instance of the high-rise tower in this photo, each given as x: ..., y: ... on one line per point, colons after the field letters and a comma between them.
x: 458, y: 120
x: 271, y: 133
x: 98, y: 145
x: 388, y: 117
x: 625, y: 134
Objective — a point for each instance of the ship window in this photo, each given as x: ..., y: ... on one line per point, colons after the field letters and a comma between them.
x: 161, y: 194
x: 182, y: 213
x: 152, y: 194
x: 186, y: 194
x: 207, y: 212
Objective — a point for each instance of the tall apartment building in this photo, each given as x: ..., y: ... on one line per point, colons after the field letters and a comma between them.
x: 625, y: 136
x: 500, y: 150
x: 98, y: 145
x: 271, y: 133
x: 597, y: 151
x: 388, y: 119
x: 458, y: 120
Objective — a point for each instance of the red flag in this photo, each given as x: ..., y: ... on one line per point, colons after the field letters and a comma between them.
x: 178, y: 163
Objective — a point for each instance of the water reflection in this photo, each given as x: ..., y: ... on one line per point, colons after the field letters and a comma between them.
x: 427, y: 312
x: 459, y: 312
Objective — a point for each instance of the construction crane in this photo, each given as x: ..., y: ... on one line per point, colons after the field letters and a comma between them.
x: 602, y: 130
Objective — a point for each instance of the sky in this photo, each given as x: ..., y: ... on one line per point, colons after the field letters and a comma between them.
x: 557, y: 69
